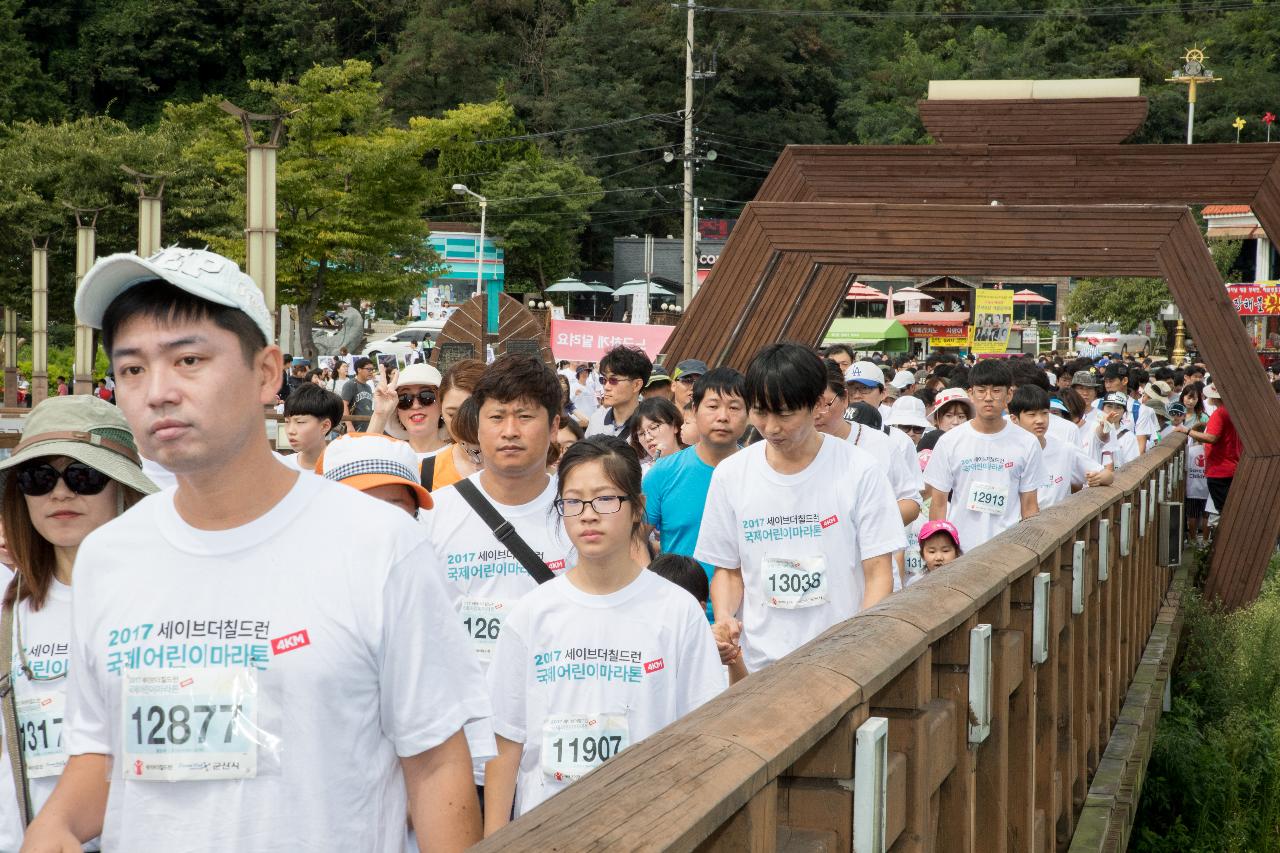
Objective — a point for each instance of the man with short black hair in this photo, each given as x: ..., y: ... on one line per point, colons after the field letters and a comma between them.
x: 624, y: 372
x: 983, y: 475
x: 357, y: 394
x: 227, y: 606
x: 842, y: 354
x: 801, y: 527
x: 675, y: 488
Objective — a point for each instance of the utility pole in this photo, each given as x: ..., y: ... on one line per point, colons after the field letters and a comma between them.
x: 689, y: 222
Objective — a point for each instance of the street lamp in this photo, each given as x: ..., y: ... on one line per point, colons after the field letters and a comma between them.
x: 485, y: 330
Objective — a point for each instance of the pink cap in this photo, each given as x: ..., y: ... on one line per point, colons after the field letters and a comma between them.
x: 946, y: 527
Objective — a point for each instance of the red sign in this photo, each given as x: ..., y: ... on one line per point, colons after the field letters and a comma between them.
x: 289, y: 642
x: 938, y: 330
x: 585, y: 340
x: 1254, y: 299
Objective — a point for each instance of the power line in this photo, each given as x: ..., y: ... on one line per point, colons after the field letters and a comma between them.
x: 1087, y: 12
x: 570, y: 195
x: 574, y: 158
x: 544, y: 135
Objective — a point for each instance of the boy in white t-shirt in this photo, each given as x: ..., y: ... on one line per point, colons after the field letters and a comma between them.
x: 310, y: 414
x: 245, y: 680
x: 983, y: 475
x: 1066, y: 466
x: 801, y: 527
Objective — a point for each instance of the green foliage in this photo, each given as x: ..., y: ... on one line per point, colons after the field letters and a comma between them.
x: 1213, y: 782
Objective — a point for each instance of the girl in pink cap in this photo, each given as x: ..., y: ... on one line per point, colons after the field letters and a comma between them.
x: 939, y: 544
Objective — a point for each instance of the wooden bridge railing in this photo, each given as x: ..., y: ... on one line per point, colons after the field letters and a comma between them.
x: 985, y: 753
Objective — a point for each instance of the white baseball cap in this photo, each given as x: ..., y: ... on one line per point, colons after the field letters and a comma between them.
x: 201, y: 273
x: 908, y: 411
x: 865, y: 373
x: 903, y: 379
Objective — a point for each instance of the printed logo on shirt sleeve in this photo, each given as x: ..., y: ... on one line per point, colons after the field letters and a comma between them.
x: 289, y: 642
x: 650, y: 667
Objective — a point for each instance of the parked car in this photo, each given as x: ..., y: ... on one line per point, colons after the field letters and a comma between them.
x: 421, y: 331
x: 1097, y: 338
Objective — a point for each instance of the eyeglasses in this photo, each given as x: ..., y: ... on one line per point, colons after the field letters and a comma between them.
x: 826, y: 406
x: 42, y: 478
x: 614, y: 380
x: 602, y: 505
x: 425, y: 397
x: 688, y: 379
x: 652, y: 430
x: 911, y: 429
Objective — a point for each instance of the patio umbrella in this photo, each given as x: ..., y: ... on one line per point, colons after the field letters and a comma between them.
x: 910, y: 294
x: 859, y: 292
x: 635, y: 287
x: 571, y: 285
x: 1029, y: 297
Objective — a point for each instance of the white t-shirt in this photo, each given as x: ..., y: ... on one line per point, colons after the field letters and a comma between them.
x: 1065, y: 465
x: 41, y: 704
x: 985, y: 474
x: 1197, y: 485
x: 632, y: 662
x: 356, y: 656
x: 483, y: 580
x: 294, y: 461
x: 884, y: 452
x: 1062, y: 429
x: 825, y: 520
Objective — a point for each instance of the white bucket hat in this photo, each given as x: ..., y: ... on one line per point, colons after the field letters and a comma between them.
x: 908, y: 411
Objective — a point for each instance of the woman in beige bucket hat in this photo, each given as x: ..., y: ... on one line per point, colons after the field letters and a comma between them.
x: 75, y: 468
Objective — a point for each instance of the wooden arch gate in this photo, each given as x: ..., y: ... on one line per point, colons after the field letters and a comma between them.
x: 721, y: 324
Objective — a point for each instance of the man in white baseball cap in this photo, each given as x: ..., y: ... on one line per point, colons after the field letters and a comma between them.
x: 228, y: 607
x: 866, y: 385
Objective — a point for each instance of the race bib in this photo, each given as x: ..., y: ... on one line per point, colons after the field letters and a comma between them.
x: 914, y: 562
x: 190, y: 724
x: 575, y: 744
x: 988, y: 498
x: 794, y: 582
x: 40, y: 733
x: 483, y: 620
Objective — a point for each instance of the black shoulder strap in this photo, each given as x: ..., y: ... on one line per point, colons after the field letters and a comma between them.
x: 428, y: 472
x: 504, y: 532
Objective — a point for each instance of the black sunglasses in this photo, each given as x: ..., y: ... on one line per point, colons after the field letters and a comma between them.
x: 426, y: 397
x: 42, y: 478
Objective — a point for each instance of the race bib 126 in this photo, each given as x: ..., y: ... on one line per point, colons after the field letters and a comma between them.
x: 575, y: 744
x: 988, y: 497
x: 794, y: 582
x: 190, y: 724
x: 482, y: 620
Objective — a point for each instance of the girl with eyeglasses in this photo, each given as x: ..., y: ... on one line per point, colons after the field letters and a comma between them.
x: 657, y: 432
x: 75, y: 469
x: 598, y: 658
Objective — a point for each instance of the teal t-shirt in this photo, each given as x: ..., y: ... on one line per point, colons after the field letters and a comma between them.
x: 675, y: 493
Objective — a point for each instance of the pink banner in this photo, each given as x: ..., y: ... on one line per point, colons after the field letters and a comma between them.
x: 585, y: 340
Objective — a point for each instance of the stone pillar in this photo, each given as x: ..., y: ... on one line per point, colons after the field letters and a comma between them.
x: 10, y: 358
x: 86, y: 246
x: 39, y: 321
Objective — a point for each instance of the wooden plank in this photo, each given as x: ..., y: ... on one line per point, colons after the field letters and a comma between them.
x: 752, y: 829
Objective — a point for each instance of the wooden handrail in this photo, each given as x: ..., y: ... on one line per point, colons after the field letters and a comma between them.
x: 768, y: 765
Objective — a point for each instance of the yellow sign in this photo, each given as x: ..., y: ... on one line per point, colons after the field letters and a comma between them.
x: 956, y: 343
x: 992, y: 319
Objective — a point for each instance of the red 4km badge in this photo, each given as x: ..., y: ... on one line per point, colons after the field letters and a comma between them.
x: 653, y: 666
x: 289, y: 642
x: 827, y: 522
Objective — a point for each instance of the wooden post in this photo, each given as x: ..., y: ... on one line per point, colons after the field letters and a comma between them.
x: 10, y: 358
x: 86, y: 245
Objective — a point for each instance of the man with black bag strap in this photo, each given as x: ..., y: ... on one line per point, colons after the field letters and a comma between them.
x: 496, y: 531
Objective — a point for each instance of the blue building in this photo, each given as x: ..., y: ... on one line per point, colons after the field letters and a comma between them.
x: 457, y: 245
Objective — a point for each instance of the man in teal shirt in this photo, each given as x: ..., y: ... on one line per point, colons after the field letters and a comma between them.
x: 675, y: 489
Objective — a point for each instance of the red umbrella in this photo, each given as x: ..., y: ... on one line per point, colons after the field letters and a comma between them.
x: 1030, y: 297
x: 859, y: 292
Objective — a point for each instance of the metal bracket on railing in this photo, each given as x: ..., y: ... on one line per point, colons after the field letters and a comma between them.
x: 1104, y: 549
x: 1142, y: 512
x: 1126, y: 527
x: 1164, y: 486
x: 1077, y: 577
x: 870, y: 785
x: 1040, y: 618
x: 1152, y: 503
x: 979, y: 684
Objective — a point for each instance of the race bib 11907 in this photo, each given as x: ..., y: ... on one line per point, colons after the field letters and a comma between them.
x: 190, y: 724
x: 988, y: 497
x: 40, y: 719
x: 795, y: 582
x: 575, y: 744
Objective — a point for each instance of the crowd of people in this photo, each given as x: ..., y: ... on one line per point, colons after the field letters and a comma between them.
x: 405, y: 635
